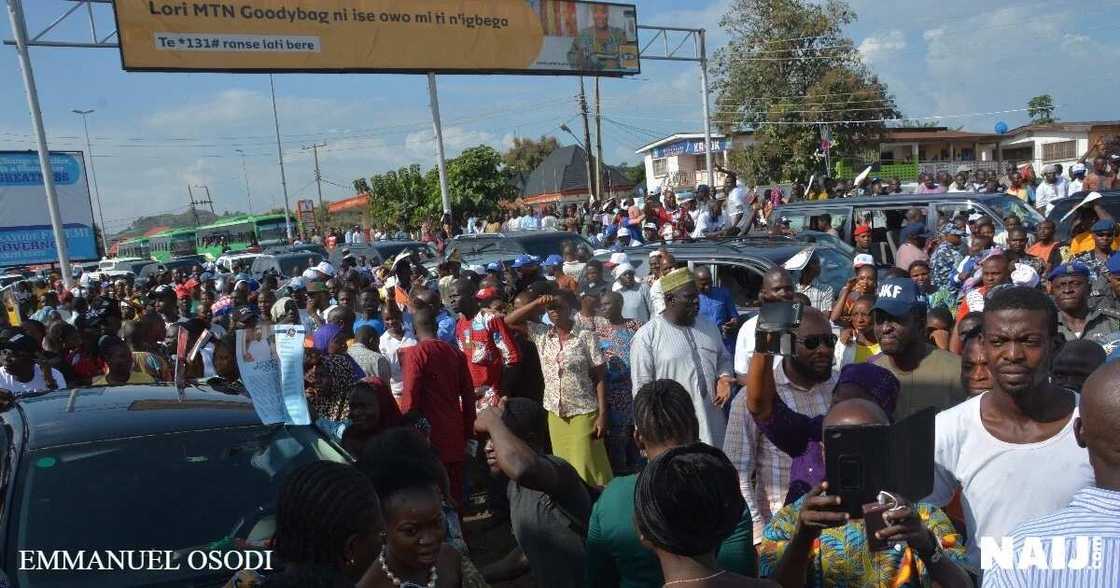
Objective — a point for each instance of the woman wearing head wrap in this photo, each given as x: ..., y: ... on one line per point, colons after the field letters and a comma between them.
x: 686, y: 502
x: 328, y: 378
x: 799, y: 435
x: 285, y: 312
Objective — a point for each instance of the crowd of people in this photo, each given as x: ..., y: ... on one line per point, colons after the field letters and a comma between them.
x: 634, y: 430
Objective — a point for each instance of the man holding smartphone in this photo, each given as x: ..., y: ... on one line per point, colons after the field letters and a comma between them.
x: 814, y: 541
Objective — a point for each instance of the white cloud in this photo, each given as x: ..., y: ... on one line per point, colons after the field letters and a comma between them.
x: 455, y: 139
x: 876, y: 48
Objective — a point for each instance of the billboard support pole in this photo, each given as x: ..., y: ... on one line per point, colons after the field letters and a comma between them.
x: 19, y: 30
x: 441, y: 162
x: 280, y: 155
x: 707, y: 118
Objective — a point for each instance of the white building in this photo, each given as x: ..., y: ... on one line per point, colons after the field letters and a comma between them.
x: 678, y: 161
x: 1061, y: 142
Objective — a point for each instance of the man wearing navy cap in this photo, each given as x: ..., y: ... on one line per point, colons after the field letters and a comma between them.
x: 913, y: 239
x: 528, y: 271
x: 1069, y: 286
x: 1104, y: 231
x: 929, y: 376
x: 552, y: 273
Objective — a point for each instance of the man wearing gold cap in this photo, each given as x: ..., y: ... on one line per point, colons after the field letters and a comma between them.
x: 680, y: 345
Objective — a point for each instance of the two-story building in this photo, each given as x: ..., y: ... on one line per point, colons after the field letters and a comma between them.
x: 678, y: 161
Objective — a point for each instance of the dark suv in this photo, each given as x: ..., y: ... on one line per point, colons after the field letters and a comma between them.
x: 538, y: 243
x: 738, y: 264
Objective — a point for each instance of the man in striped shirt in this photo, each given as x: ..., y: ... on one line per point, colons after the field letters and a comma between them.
x: 1093, y: 512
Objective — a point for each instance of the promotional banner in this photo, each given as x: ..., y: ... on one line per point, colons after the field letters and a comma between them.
x: 289, y: 347
x: 393, y: 36
x: 260, y: 373
x: 25, y: 225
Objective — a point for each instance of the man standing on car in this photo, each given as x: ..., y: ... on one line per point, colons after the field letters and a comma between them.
x: 1100, y: 180
x: 1049, y: 190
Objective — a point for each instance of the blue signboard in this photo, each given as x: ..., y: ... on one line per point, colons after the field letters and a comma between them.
x: 25, y: 228
x: 688, y: 147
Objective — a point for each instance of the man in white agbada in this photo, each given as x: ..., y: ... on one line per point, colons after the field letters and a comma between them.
x: 682, y: 346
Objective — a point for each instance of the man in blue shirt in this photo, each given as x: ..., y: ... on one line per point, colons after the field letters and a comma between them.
x: 717, y: 306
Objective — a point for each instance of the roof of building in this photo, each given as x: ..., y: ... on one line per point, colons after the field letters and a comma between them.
x: 934, y: 134
x: 676, y: 137
x: 1064, y: 126
x: 565, y: 170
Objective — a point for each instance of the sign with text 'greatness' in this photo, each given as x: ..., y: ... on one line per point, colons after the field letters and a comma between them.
x: 391, y: 36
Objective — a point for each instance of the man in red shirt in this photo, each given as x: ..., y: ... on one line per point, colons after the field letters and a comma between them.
x: 438, y: 385
x: 484, y: 338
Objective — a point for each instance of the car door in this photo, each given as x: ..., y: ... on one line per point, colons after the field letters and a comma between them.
x: 742, y: 280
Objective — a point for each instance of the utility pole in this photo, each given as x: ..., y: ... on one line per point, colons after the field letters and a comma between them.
x: 245, y: 172
x: 19, y: 30
x: 280, y: 155
x: 586, y: 140
x: 194, y: 211
x: 93, y: 174
x: 318, y: 177
x: 208, y: 200
x: 598, y: 145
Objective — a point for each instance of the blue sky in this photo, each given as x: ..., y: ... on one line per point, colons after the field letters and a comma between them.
x: 156, y: 133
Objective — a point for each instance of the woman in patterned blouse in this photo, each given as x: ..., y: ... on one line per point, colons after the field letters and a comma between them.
x: 575, y: 394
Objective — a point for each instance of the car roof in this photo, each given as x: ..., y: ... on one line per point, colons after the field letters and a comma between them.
x: 776, y: 250
x: 100, y: 413
x: 1079, y: 196
x: 895, y: 199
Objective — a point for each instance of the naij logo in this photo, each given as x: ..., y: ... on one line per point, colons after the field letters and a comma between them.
x: 1058, y: 552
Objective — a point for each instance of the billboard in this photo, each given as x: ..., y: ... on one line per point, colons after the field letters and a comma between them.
x: 390, y: 36
x: 25, y: 224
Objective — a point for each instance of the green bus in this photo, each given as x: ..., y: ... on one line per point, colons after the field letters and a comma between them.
x: 240, y: 233
x: 138, y: 247
x: 173, y: 243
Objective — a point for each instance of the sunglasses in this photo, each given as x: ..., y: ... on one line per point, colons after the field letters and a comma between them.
x: 814, y: 341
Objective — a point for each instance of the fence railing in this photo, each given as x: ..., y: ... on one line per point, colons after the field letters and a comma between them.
x: 908, y: 172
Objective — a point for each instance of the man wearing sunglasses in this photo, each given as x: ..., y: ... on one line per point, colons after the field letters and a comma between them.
x: 804, y: 382
x: 929, y: 376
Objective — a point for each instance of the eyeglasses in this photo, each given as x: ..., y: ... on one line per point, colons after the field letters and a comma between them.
x: 813, y: 341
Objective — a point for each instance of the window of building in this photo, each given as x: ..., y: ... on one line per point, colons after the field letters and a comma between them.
x: 1059, y: 151
x: 660, y: 167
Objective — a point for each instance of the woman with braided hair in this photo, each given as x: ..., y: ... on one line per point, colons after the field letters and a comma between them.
x: 686, y: 502
x: 329, y: 529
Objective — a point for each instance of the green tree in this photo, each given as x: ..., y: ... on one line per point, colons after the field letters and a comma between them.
x: 526, y: 154
x: 635, y: 174
x: 476, y: 182
x: 361, y: 185
x: 787, y: 68
x: 1041, y: 109
x: 399, y: 198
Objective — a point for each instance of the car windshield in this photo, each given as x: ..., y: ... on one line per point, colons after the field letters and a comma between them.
x: 1008, y: 205
x: 180, y: 491
x: 294, y: 265
x: 483, y: 245
x: 391, y: 251
x: 542, y: 247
